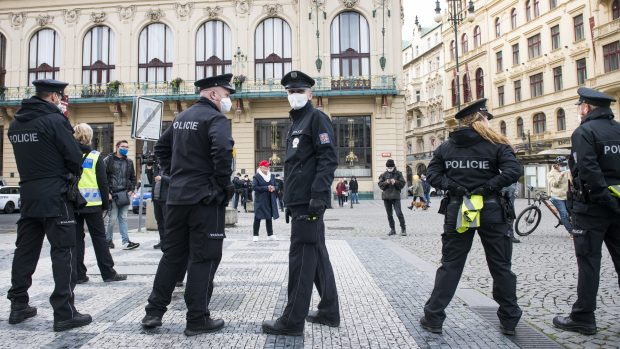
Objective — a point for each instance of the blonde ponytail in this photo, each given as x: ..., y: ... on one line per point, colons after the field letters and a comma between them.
x: 476, y: 122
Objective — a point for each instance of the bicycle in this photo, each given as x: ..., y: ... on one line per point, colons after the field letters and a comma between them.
x: 532, y: 214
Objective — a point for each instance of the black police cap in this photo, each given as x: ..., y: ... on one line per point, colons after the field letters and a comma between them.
x: 214, y: 81
x: 475, y: 107
x: 593, y: 97
x: 296, y: 79
x: 50, y: 85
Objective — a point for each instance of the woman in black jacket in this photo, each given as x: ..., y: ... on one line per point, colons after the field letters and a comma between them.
x: 94, y: 187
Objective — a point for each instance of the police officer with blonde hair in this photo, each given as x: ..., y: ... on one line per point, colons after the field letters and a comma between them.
x: 595, y: 200
x: 473, y: 166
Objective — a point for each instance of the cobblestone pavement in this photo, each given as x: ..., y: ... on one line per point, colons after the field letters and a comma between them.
x: 381, y: 281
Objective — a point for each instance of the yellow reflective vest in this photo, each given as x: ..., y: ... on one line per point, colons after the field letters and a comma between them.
x: 88, y: 182
x: 615, y: 190
x: 469, y: 214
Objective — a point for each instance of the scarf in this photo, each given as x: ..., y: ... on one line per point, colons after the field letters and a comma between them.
x: 266, y: 177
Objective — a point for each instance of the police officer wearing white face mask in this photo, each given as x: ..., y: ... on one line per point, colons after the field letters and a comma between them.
x: 196, y: 150
x: 309, y: 168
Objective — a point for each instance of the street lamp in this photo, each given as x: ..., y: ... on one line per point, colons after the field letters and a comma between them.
x: 456, y: 16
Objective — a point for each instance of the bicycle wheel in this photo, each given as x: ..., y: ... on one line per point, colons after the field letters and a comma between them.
x: 527, y: 221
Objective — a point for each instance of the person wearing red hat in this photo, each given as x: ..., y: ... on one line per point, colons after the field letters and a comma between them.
x: 265, y: 199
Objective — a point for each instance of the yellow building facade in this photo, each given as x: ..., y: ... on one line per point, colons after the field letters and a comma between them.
x: 112, y: 51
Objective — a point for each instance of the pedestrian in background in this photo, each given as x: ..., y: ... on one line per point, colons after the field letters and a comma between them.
x: 417, y: 191
x: 426, y: 187
x: 345, y: 193
x: 340, y: 189
x: 392, y: 182
x: 558, y: 179
x: 280, y: 191
x: 93, y: 186
x: 354, y: 187
x: 247, y: 184
x: 265, y: 199
x: 122, y: 182
x: 238, y: 183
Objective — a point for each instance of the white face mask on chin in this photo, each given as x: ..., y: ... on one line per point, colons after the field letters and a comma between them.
x: 297, y: 100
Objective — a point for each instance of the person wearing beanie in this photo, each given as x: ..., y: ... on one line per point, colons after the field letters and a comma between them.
x: 265, y: 199
x: 392, y: 182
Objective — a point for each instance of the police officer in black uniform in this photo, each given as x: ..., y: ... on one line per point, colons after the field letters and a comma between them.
x: 47, y: 158
x: 595, y: 166
x: 475, y: 160
x: 197, y: 153
x: 309, y: 171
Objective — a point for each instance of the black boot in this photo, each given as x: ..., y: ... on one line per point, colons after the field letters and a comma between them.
x: 430, y: 327
x: 209, y: 325
x: 82, y: 280
x: 509, y: 331
x: 78, y: 320
x: 403, y: 231
x: 410, y: 207
x: 151, y: 321
x: 157, y: 245
x: 277, y: 327
x: 567, y: 324
x: 392, y: 232
x: 316, y: 317
x: 20, y: 312
x: 116, y: 277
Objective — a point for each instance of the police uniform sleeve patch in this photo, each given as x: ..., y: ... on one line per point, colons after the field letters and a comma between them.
x: 324, y: 138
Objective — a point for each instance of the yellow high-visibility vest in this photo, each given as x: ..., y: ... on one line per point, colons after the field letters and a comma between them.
x: 469, y: 214
x: 615, y: 190
x: 88, y: 182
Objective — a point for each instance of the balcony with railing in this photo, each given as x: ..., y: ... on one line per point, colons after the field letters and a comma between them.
x: 250, y: 89
x: 609, y: 28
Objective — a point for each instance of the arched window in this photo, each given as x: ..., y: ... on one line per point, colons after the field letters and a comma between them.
x: 615, y: 9
x: 273, y: 45
x: 98, y: 56
x: 466, y: 89
x: 498, y: 28
x: 528, y: 11
x: 44, y: 55
x: 155, y: 53
x: 452, y: 48
x: 2, y: 59
x: 513, y: 18
x: 561, y: 120
x: 409, y: 148
x: 213, y: 49
x: 502, y: 127
x: 536, y: 8
x: 519, y: 127
x: 350, y: 45
x: 464, y: 44
x: 477, y: 37
x: 539, y: 123
x: 454, y: 93
x: 479, y: 83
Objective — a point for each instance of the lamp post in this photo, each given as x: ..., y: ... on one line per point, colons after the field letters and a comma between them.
x: 456, y: 16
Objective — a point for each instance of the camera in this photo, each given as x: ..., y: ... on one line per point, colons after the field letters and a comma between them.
x: 149, y: 159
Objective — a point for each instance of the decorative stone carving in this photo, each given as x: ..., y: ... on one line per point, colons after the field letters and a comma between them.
x: 349, y: 3
x: 98, y: 17
x: 243, y: 6
x: 127, y: 13
x: 71, y: 16
x: 44, y: 20
x: 154, y: 14
x: 184, y: 11
x: 17, y: 19
x: 272, y: 10
x: 213, y: 12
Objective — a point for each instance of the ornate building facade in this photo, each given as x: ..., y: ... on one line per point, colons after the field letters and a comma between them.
x: 113, y: 51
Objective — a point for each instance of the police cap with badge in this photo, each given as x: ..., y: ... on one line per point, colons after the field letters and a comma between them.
x: 214, y: 81
x: 296, y: 79
x: 50, y: 85
x: 593, y: 97
x: 479, y: 106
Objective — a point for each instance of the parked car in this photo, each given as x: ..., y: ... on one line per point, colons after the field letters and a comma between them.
x: 135, y: 199
x: 9, y: 199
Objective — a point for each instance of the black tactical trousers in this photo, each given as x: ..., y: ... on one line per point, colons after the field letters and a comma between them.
x: 588, y: 251
x: 60, y: 233
x: 399, y: 213
x: 194, y: 232
x: 498, y: 250
x: 96, y: 228
x: 159, y: 209
x: 309, y: 264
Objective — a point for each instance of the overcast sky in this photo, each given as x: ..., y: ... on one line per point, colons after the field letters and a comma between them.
x: 424, y: 9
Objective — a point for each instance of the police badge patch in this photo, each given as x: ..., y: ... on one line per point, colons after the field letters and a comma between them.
x: 324, y: 138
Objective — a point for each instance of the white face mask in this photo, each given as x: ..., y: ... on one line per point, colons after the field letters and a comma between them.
x: 297, y: 100
x: 578, y: 119
x: 225, y: 105
x: 390, y: 169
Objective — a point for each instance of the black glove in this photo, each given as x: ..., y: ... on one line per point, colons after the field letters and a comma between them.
x: 613, y: 204
x: 316, y: 207
x: 457, y: 190
x: 229, y: 190
x: 485, y: 190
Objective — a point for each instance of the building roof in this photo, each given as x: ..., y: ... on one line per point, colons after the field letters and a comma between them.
x: 406, y: 43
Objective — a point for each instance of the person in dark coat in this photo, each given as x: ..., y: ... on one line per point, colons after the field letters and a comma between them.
x: 354, y: 187
x: 392, y: 182
x: 238, y: 183
x: 280, y: 192
x: 48, y: 160
x: 265, y: 199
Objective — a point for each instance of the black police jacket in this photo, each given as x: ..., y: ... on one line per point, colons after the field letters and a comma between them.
x: 470, y: 161
x: 45, y: 153
x: 196, y: 150
x: 311, y: 159
x: 595, y: 162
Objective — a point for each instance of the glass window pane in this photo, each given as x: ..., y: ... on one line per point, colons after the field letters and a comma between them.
x: 288, y: 42
x: 227, y: 43
x: 200, y: 44
x: 277, y: 37
x: 33, y: 52
x: 142, y: 48
x: 335, y: 35
x: 86, y: 50
x: 366, y: 66
x: 218, y: 40
x: 335, y: 67
x: 259, y: 72
x: 365, y: 37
